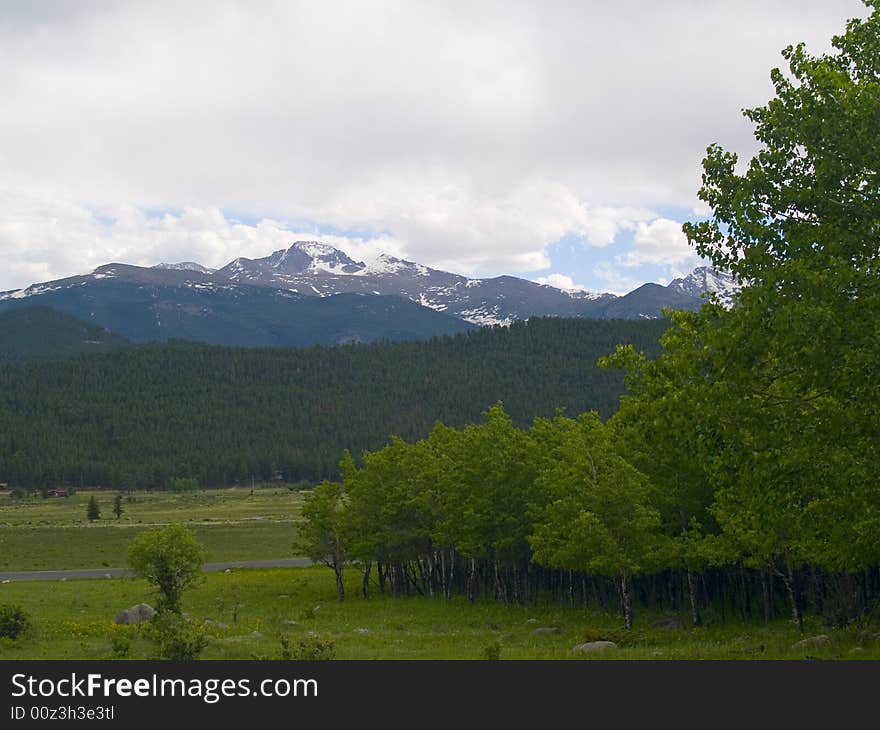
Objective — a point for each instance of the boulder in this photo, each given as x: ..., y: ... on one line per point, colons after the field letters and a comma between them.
x: 592, y: 646
x: 136, y: 614
x: 546, y: 630
x: 670, y: 622
x: 812, y: 642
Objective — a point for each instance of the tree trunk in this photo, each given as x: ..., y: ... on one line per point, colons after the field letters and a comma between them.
x: 365, y: 583
x: 765, y: 592
x: 340, y: 586
x: 450, y: 583
x: 470, y: 581
x: 788, y: 577
x: 381, y: 570
x: 692, y: 596
x: 746, y: 597
x: 625, y: 601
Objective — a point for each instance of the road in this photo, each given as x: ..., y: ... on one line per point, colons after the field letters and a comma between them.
x: 82, y: 573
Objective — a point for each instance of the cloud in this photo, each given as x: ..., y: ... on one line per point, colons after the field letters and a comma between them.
x: 47, y: 239
x: 613, y: 281
x: 473, y: 136
x: 660, y: 242
x: 560, y: 281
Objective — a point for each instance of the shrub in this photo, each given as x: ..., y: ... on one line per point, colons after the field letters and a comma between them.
x: 13, y: 621
x: 175, y: 637
x: 311, y: 648
x: 120, y: 646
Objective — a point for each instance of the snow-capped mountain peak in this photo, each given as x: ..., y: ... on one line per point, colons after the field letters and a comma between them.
x: 705, y: 279
x: 185, y: 266
x: 312, y: 256
x: 386, y: 264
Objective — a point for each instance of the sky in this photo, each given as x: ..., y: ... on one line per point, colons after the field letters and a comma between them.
x: 558, y: 141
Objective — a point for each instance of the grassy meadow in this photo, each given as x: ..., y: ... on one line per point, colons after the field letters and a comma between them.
x: 233, y: 524
x: 246, y: 612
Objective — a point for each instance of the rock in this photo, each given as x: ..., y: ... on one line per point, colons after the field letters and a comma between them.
x: 592, y: 646
x: 136, y: 614
x: 361, y: 631
x: 670, y: 622
x: 531, y: 620
x: 546, y: 630
x: 290, y: 622
x: 492, y: 627
x: 812, y: 642
x: 856, y: 650
x: 256, y: 635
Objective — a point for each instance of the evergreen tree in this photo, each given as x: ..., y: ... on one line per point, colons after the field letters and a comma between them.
x: 93, y: 510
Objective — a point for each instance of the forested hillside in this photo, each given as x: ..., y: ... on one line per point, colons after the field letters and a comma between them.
x: 148, y: 414
x: 41, y: 333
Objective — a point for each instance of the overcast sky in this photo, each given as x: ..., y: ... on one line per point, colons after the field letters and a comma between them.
x: 559, y: 141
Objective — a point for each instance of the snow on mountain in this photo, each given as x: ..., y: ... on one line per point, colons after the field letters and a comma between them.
x: 313, y: 269
x: 705, y: 279
x: 185, y: 266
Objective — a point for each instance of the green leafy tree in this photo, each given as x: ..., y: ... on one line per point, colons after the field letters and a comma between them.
x: 783, y: 389
x: 170, y: 558
x: 321, y: 535
x: 597, y: 514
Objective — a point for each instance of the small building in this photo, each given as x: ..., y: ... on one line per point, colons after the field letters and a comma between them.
x: 57, y: 493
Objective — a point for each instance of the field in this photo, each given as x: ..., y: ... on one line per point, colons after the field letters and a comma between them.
x: 247, y: 613
x: 233, y: 524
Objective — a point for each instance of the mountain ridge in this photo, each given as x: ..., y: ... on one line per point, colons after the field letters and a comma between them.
x: 277, y: 299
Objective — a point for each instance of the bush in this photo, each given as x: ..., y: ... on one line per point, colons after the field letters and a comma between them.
x: 120, y: 646
x: 311, y: 648
x: 176, y: 638
x: 13, y: 621
x: 492, y: 652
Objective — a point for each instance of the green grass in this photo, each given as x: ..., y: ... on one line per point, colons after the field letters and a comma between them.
x: 73, y: 620
x: 233, y: 524
x: 146, y: 508
x: 57, y: 548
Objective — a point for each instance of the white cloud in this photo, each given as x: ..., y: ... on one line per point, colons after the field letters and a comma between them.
x: 560, y: 281
x: 613, y: 281
x: 471, y: 135
x: 660, y: 242
x: 43, y: 240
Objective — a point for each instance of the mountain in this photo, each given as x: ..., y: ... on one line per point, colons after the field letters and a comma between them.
x: 40, y: 333
x: 703, y: 280
x: 142, y: 310
x: 314, y: 293
x: 316, y: 269
x: 185, y: 266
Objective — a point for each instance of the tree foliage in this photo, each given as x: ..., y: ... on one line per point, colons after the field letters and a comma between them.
x: 744, y: 458
x: 171, y: 559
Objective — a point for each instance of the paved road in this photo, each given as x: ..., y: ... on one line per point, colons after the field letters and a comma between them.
x: 119, y: 572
